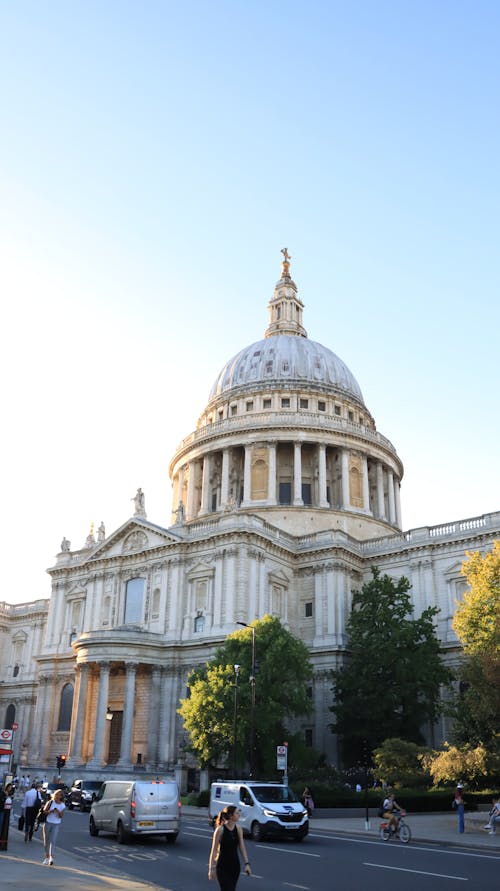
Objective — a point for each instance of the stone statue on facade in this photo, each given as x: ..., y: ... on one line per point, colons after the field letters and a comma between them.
x: 65, y: 544
x: 90, y: 542
x: 101, y: 532
x: 139, y: 504
x: 179, y: 515
x: 285, y: 266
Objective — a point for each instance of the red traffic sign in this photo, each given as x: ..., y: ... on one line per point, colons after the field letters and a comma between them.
x: 15, y: 725
x: 5, y: 735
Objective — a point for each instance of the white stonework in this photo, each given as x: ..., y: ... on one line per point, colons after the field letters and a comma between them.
x: 284, y: 497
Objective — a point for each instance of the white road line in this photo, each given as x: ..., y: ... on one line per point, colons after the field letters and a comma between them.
x: 303, y: 887
x: 287, y: 851
x: 420, y: 872
x: 434, y: 850
x: 185, y: 858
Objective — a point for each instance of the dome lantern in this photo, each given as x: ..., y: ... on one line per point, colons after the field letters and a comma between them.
x: 285, y: 308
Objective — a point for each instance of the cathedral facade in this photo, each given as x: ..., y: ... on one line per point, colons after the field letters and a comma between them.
x: 284, y: 497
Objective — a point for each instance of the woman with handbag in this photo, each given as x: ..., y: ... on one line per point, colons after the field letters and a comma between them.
x: 53, y: 810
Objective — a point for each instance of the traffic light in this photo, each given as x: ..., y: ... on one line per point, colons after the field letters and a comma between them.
x: 61, y: 761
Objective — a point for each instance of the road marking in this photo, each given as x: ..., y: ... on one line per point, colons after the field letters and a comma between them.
x: 303, y: 887
x: 287, y: 851
x: 420, y: 872
x: 185, y: 858
x: 415, y: 846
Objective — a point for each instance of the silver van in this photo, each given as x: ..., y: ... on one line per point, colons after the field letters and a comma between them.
x: 129, y: 808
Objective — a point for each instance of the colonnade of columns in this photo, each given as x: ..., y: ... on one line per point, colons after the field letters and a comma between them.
x: 160, y: 733
x: 385, y: 504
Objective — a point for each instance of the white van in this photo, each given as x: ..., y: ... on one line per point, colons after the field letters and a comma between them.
x: 266, y: 808
x: 132, y: 808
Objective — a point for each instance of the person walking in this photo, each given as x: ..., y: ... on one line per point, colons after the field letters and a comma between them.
x: 459, y: 804
x: 54, y: 810
x: 30, y: 805
x: 227, y: 843
x: 308, y: 801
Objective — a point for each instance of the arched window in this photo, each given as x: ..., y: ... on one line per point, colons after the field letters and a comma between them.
x: 134, y: 602
x: 66, y: 707
x: 199, y: 624
x: 10, y: 716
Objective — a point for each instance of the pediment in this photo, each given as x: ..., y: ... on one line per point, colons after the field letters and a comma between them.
x: 134, y: 537
x: 200, y: 570
x: 278, y: 577
x: 455, y: 569
x: 76, y: 592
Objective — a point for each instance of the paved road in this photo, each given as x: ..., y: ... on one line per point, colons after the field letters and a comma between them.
x: 328, y: 858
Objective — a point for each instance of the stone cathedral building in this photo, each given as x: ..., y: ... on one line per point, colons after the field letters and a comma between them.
x: 284, y: 497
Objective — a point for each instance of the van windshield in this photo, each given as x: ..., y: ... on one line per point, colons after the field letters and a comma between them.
x: 275, y: 794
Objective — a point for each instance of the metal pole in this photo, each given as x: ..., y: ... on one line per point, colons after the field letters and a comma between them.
x: 235, y: 725
x: 252, y: 701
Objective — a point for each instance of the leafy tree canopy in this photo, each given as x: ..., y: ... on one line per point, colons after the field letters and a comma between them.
x: 390, y: 684
x: 283, y: 671
x: 398, y: 763
x: 477, y: 618
x: 472, y: 765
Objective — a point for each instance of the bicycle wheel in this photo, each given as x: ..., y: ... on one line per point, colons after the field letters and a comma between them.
x: 404, y: 833
x: 385, y: 833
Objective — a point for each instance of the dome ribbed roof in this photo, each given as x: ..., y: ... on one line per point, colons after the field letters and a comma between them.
x: 285, y: 358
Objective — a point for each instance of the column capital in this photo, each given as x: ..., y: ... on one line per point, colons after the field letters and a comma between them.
x: 131, y: 667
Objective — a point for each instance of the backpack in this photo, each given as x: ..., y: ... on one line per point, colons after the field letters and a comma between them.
x: 381, y: 811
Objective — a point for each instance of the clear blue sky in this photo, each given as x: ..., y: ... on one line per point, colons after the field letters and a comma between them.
x: 154, y: 159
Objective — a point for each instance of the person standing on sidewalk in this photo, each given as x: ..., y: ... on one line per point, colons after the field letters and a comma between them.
x: 31, y: 805
x: 227, y: 844
x: 459, y: 804
x: 54, y: 810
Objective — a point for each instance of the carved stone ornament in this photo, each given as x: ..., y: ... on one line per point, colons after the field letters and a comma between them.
x: 136, y: 541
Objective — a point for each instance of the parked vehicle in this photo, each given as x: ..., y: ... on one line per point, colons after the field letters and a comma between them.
x: 83, y: 793
x: 267, y: 809
x: 48, y: 789
x: 129, y: 808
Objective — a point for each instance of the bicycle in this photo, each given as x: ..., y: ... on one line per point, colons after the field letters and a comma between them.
x: 403, y: 831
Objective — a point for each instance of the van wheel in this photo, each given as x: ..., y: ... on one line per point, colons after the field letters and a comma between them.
x: 121, y: 835
x: 256, y: 831
x: 171, y: 838
x: 93, y: 828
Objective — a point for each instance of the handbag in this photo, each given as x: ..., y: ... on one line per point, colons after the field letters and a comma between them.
x: 20, y: 823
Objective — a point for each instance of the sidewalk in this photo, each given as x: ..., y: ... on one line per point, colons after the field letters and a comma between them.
x: 437, y: 828
x: 21, y: 867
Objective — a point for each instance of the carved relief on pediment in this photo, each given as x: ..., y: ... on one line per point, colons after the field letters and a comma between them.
x: 136, y: 541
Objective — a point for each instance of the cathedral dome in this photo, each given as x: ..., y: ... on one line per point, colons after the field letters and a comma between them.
x: 286, y: 358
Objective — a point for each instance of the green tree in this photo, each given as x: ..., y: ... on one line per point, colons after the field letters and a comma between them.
x: 398, y: 762
x: 477, y: 624
x: 390, y: 683
x: 281, y: 680
x: 473, y: 765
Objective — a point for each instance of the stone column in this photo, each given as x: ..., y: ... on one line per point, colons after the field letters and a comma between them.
x: 206, y: 494
x: 163, y: 718
x: 128, y: 716
x: 297, y: 474
x: 366, y: 488
x: 75, y: 752
x: 323, y: 502
x: 97, y: 759
x: 247, y: 475
x: 154, y: 717
x: 390, y: 492
x: 318, y: 604
x: 346, y: 501
x: 271, y: 480
x: 224, y: 487
x: 190, y: 492
x: 397, y: 498
x: 35, y: 747
x: 380, y: 491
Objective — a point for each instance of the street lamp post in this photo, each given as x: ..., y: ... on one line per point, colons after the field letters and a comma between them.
x: 252, y: 710
x: 235, y: 725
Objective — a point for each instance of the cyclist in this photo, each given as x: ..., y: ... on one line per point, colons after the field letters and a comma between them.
x: 391, y: 810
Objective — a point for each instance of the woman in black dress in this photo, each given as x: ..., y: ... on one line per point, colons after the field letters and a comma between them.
x: 224, y: 859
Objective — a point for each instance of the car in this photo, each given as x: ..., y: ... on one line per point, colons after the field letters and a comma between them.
x: 82, y: 793
x: 47, y: 790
